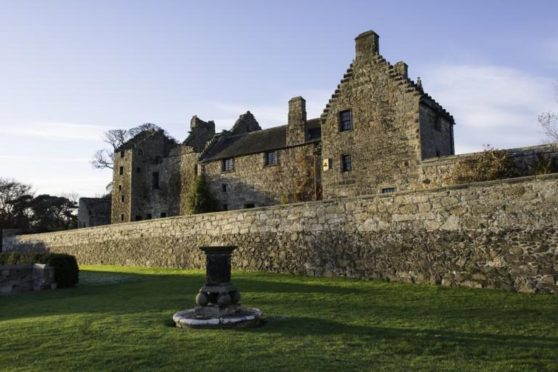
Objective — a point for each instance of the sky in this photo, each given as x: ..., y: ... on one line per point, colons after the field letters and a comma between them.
x: 70, y: 70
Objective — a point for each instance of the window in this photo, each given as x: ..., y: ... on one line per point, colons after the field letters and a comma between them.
x: 149, y: 216
x: 270, y: 158
x: 121, y: 171
x: 249, y: 205
x: 163, y: 214
x: 119, y: 187
x: 388, y: 190
x: 140, y: 152
x: 122, y: 153
x: 155, y: 180
x: 138, y: 170
x: 138, y: 218
x: 158, y: 160
x: 314, y: 133
x: 225, y: 207
x: 346, y: 164
x: 224, y: 187
x: 345, y: 120
x: 228, y: 165
x: 122, y: 198
x: 121, y: 217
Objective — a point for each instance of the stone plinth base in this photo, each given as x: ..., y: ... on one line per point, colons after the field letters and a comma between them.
x: 233, y: 316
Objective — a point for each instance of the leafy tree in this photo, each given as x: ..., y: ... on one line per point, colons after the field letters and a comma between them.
x: 199, y: 199
x: 19, y: 209
x: 13, y: 204
x: 52, y: 213
x: 115, y: 138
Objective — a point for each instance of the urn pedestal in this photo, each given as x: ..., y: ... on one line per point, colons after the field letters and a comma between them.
x: 218, y: 300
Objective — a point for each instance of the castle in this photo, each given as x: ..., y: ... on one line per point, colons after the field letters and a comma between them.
x: 379, y: 133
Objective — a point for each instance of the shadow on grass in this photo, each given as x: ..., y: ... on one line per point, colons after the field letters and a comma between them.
x: 304, y: 326
x: 124, y: 293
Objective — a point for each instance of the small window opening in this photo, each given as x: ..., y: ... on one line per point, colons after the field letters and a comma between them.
x: 249, y: 205
x: 155, y: 180
x: 346, y: 163
x: 388, y: 190
x: 227, y: 165
x: 225, y: 207
x: 345, y: 120
x: 138, y: 170
x: 122, y: 153
x: 149, y: 216
x: 119, y: 187
x: 121, y: 171
x: 163, y: 214
x: 270, y: 158
x: 224, y: 187
x: 122, y: 198
x: 121, y: 217
x: 138, y: 218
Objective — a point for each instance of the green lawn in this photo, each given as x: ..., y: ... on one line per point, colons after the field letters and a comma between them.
x: 119, y: 319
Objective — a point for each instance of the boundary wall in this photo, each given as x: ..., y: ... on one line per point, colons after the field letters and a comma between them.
x: 496, y: 234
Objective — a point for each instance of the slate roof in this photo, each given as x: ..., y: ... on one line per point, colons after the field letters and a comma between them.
x: 229, y: 146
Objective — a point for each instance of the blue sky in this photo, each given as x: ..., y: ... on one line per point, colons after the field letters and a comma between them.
x: 70, y: 70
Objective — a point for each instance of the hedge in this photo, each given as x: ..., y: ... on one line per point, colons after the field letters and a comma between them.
x: 66, y: 270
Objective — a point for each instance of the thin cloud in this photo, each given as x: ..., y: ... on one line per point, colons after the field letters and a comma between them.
x: 491, y: 104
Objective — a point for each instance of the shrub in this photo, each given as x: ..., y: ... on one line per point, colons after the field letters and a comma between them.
x: 199, y: 199
x: 491, y: 164
x: 544, y: 165
x: 66, y: 270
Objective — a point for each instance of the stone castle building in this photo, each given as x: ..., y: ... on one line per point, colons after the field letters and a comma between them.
x: 379, y: 133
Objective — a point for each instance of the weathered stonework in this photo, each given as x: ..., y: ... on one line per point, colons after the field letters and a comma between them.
x: 94, y: 211
x: 394, y: 126
x: 436, y: 172
x: 498, y: 234
x: 254, y: 183
x: 25, y: 278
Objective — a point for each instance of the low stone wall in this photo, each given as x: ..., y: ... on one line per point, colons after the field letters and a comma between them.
x: 528, y: 160
x: 498, y: 234
x: 25, y: 278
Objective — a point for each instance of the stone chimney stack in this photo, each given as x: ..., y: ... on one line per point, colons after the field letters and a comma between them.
x: 402, y: 69
x: 296, y: 128
x: 367, y: 44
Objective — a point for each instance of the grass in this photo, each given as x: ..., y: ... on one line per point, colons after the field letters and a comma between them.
x: 119, y: 318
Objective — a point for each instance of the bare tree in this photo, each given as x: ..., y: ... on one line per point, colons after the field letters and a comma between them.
x: 102, y: 159
x: 549, y: 122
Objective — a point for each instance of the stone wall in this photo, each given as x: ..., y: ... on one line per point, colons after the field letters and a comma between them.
x: 528, y: 160
x: 25, y: 278
x: 254, y: 183
x: 499, y: 234
x: 394, y: 126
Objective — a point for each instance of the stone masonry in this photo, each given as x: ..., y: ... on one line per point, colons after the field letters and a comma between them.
x: 497, y: 234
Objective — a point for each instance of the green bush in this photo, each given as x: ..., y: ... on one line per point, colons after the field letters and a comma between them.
x: 66, y: 270
x: 199, y: 198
